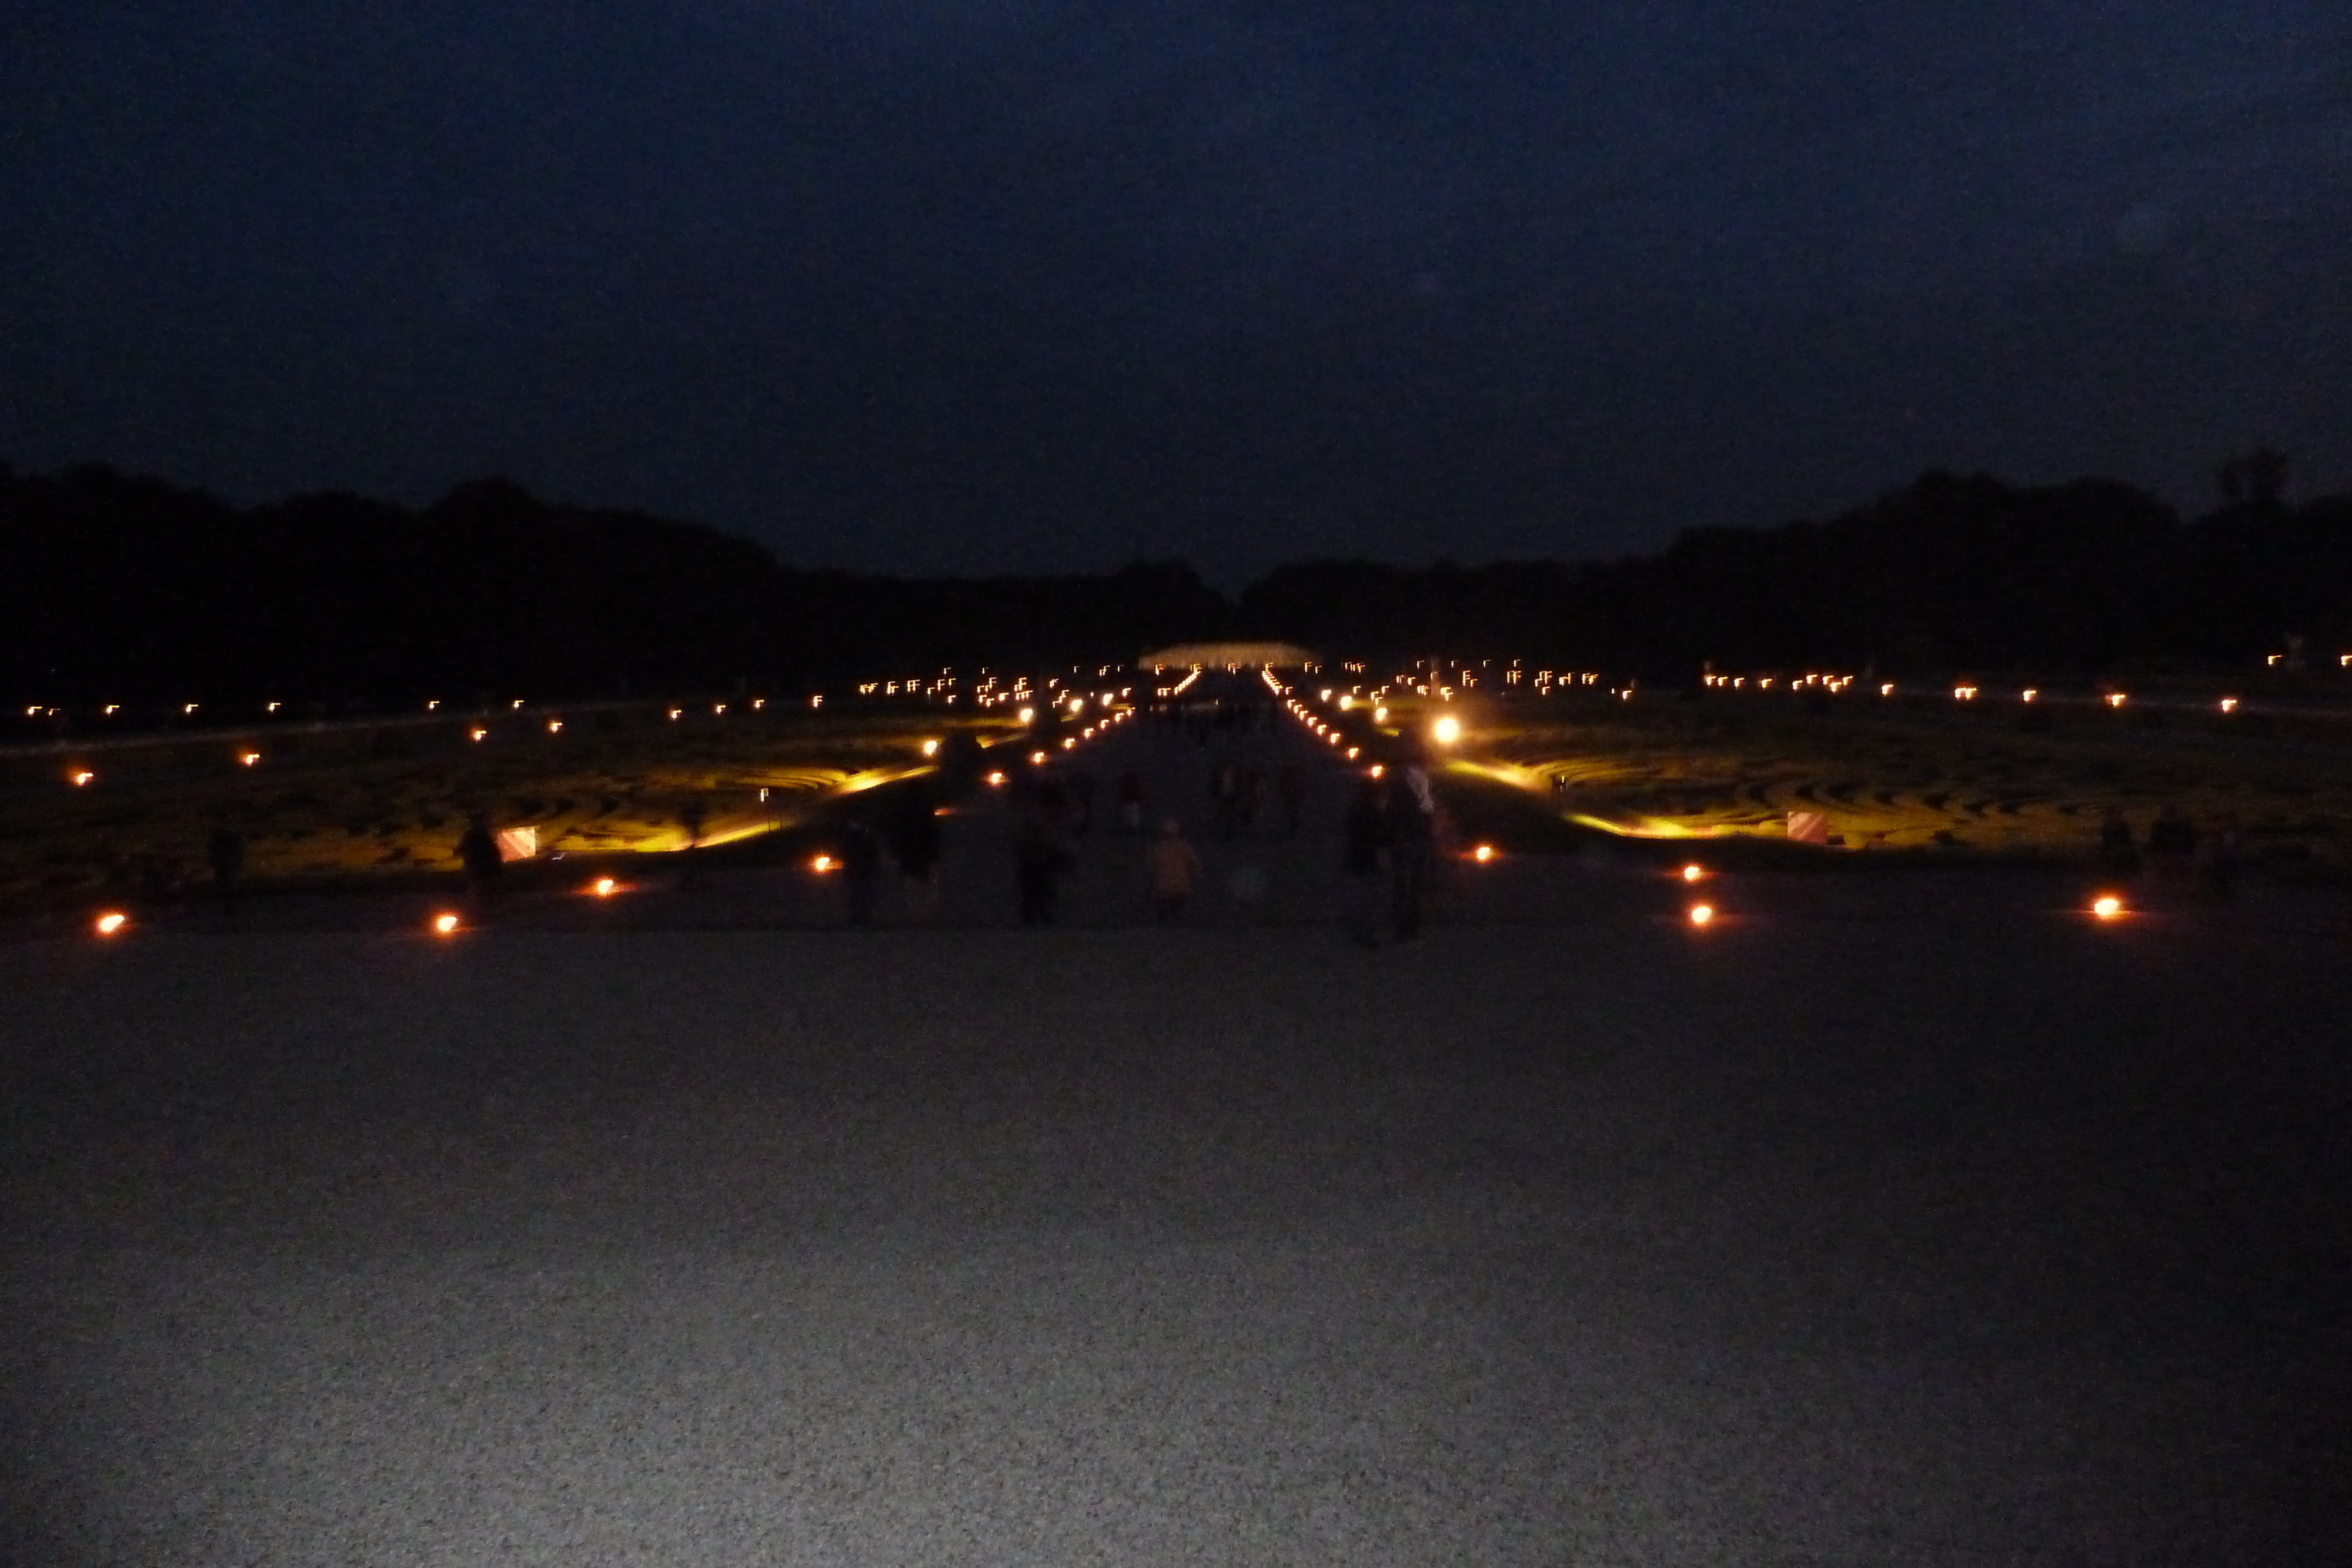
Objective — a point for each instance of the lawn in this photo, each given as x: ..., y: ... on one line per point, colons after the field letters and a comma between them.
x: 2004, y: 780
x: 366, y: 804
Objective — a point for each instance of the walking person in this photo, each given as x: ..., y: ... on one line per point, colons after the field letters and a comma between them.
x: 1174, y: 867
x: 915, y: 845
x: 478, y: 852
x: 861, y: 867
x: 1412, y: 852
x: 225, y: 850
x: 1367, y: 839
x: 1039, y: 863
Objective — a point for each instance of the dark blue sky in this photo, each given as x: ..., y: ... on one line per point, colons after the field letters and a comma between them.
x: 958, y: 286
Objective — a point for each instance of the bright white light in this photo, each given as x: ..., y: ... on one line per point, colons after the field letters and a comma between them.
x: 1446, y: 730
x: 444, y: 924
x: 248, y: 757
x: 2106, y: 906
x: 112, y: 921
x: 1380, y: 716
x: 1693, y: 872
x: 1700, y: 913
x: 1026, y: 716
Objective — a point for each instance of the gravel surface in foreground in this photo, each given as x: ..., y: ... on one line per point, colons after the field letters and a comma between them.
x: 1882, y: 1232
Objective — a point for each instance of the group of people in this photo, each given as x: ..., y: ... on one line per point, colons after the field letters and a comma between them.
x: 1390, y: 836
x: 1240, y: 791
x: 2174, y: 852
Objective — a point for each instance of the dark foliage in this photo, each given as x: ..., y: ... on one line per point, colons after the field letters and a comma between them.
x: 1947, y: 572
x: 128, y: 589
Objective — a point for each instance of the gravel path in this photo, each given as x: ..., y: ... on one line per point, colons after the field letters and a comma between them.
x: 1891, y: 1220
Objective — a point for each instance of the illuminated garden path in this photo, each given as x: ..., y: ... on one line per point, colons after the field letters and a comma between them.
x: 1890, y: 1220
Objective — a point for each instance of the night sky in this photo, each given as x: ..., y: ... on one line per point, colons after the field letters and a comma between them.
x: 967, y: 286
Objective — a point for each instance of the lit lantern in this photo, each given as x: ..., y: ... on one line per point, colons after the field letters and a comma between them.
x: 1380, y: 716
x: 445, y: 924
x: 110, y: 923
x: 1701, y: 914
x: 1693, y: 872
x: 2106, y: 906
x: 555, y: 727
x: 1352, y: 751
x: 83, y: 777
x: 1026, y: 716
x: 269, y: 707
x: 604, y: 887
x: 1446, y: 730
x: 478, y: 733
x: 1888, y: 689
x: 248, y: 757
x: 995, y: 780
x: 2030, y: 694
x: 1377, y: 770
x: 1482, y: 855
x: 2229, y: 705
x: 930, y: 749
x: 2116, y: 699
x: 1036, y: 759
x: 821, y: 866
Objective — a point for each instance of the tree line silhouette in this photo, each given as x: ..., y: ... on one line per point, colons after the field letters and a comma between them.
x: 121, y: 588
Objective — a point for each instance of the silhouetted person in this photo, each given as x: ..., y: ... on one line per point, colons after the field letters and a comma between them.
x: 1367, y: 838
x: 1039, y: 862
x: 694, y: 816
x: 1052, y: 798
x: 915, y: 845
x: 2226, y: 858
x: 2171, y: 844
x: 1292, y: 787
x: 225, y: 852
x: 1412, y: 852
x: 2119, y: 853
x: 1226, y: 790
x: 1174, y: 866
x: 478, y: 851
x: 861, y: 867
